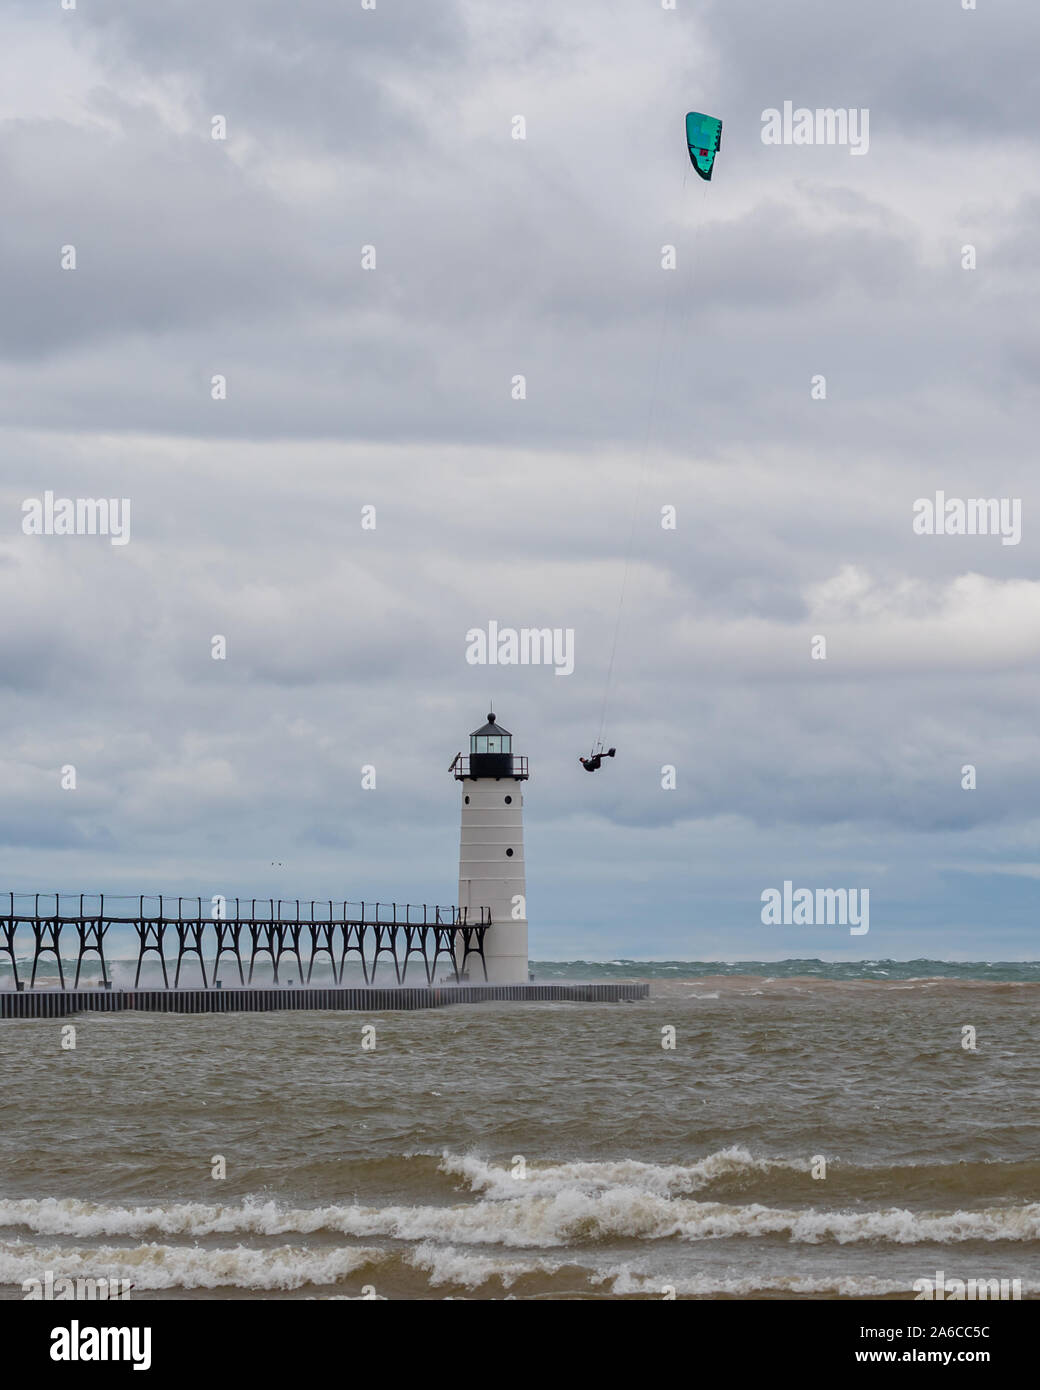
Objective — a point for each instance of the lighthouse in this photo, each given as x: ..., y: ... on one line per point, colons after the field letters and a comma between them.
x: 491, y: 848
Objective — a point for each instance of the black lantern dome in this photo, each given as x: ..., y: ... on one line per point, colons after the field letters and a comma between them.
x: 490, y: 754
x: 491, y: 750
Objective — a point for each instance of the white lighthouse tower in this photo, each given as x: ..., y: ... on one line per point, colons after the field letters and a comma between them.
x: 491, y: 849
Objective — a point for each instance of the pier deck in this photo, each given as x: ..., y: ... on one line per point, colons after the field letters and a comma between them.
x: 60, y: 1003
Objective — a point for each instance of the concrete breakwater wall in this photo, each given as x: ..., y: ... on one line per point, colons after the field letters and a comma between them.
x: 61, y: 1003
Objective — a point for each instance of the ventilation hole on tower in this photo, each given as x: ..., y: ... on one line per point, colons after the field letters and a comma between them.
x: 509, y: 854
x: 467, y: 800
x: 508, y: 800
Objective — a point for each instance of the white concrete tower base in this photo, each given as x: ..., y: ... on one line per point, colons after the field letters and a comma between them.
x: 491, y: 874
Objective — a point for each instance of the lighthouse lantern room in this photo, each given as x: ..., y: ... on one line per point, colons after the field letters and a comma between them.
x: 491, y: 848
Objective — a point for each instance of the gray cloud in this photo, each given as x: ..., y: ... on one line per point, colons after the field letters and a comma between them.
x: 392, y: 388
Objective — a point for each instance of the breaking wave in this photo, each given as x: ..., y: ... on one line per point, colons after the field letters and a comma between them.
x: 552, y: 1206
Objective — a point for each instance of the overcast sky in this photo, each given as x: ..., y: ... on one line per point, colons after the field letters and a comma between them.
x: 646, y: 388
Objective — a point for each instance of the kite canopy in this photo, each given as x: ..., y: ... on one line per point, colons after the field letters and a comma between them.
x: 703, y: 138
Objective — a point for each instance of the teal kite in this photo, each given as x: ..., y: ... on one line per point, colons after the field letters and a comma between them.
x: 703, y: 138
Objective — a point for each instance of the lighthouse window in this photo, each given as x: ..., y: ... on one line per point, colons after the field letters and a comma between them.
x: 490, y: 743
x: 508, y: 800
x: 509, y: 854
x: 467, y: 800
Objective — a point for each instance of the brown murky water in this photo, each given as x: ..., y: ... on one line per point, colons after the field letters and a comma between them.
x: 536, y: 1150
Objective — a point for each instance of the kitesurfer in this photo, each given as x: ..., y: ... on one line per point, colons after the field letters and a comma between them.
x: 595, y: 762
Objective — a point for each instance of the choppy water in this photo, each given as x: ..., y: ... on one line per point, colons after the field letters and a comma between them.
x: 643, y: 1168
x: 123, y: 971
x: 790, y: 969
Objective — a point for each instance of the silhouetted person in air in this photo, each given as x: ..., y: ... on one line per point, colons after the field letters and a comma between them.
x: 594, y: 763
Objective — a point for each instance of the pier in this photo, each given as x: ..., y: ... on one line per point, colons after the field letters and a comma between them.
x: 237, y: 934
x: 401, y: 934
x: 54, y: 1003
